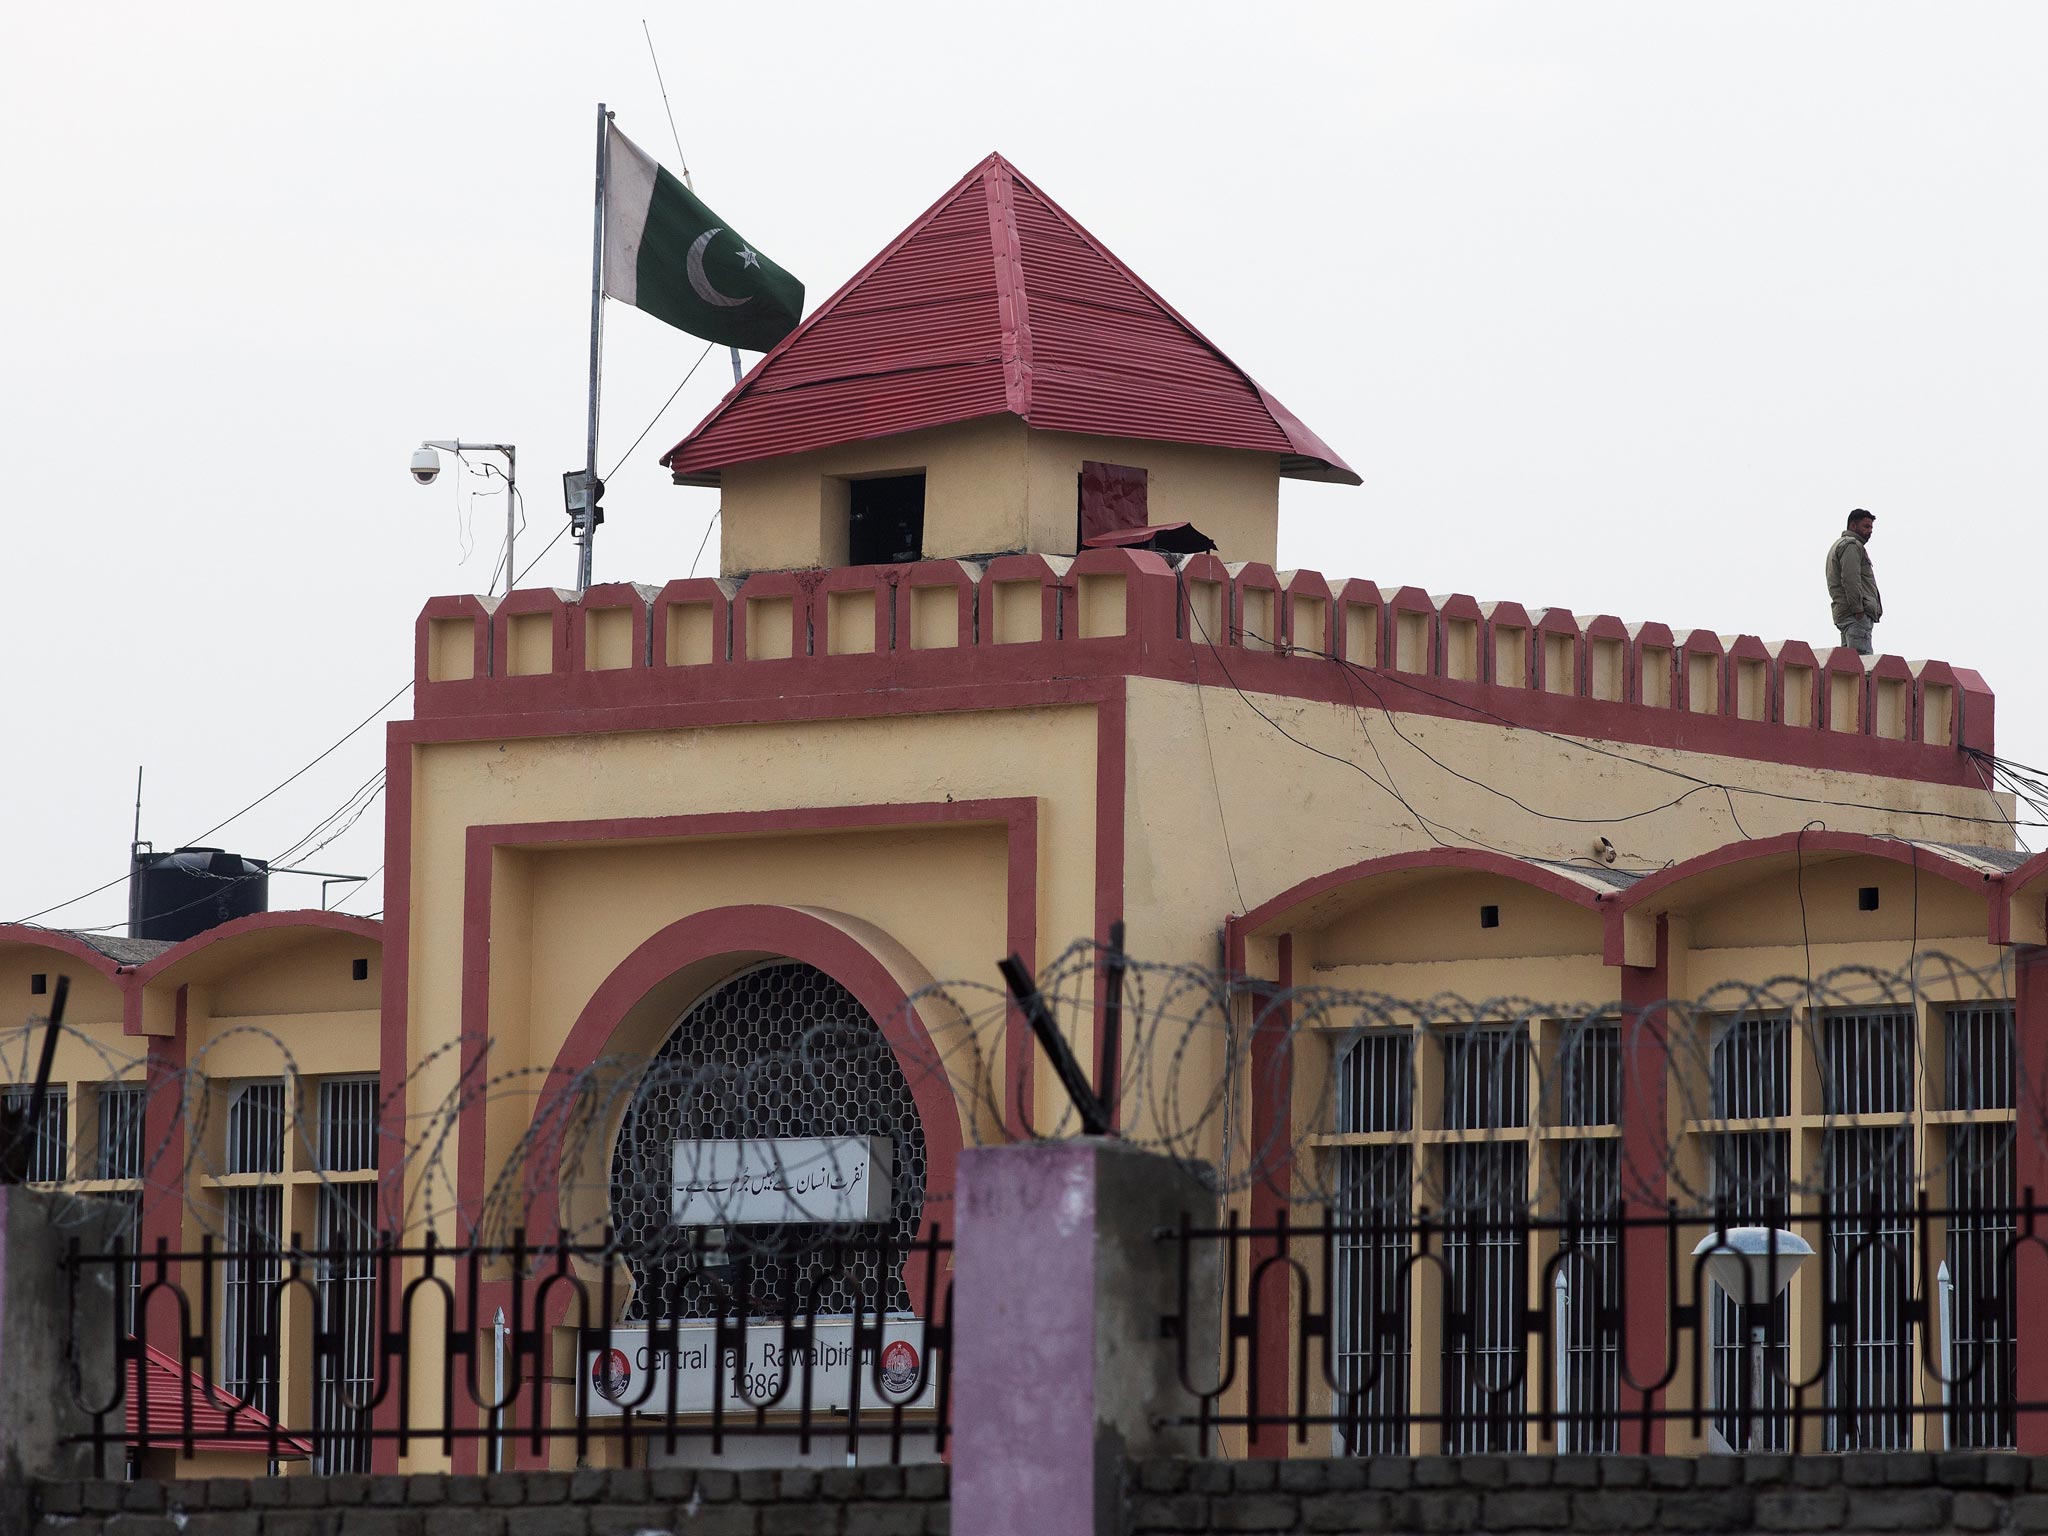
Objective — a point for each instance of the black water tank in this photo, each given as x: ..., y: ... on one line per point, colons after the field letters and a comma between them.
x: 176, y: 895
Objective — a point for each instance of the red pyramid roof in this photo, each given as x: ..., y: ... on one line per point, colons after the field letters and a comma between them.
x: 995, y: 301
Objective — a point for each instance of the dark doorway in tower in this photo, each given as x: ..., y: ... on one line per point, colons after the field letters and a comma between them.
x: 885, y: 520
x: 779, y: 1052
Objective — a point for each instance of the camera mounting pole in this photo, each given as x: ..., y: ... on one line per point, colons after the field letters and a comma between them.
x: 511, y: 483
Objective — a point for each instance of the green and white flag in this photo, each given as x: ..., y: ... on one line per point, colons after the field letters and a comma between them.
x: 668, y: 254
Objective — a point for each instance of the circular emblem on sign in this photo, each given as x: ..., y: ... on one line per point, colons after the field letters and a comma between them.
x: 611, y: 1375
x: 899, y: 1366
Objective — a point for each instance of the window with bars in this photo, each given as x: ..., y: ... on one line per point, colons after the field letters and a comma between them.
x: 347, y: 1124
x: 1588, y: 1076
x: 1486, y: 1079
x: 249, y: 1346
x: 347, y: 1283
x: 1749, y: 1174
x: 1866, y: 1062
x: 1486, y: 1188
x: 1375, y: 1094
x: 1486, y: 1279
x: 1587, y: 1288
x: 49, y: 1160
x: 1979, y: 1059
x: 255, y: 1130
x: 1977, y: 1278
x: 119, y: 1154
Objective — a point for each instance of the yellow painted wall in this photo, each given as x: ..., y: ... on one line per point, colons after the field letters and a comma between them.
x: 991, y: 485
x: 1232, y: 497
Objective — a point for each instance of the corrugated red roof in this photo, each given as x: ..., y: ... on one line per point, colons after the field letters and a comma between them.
x: 995, y: 301
x: 169, y: 1383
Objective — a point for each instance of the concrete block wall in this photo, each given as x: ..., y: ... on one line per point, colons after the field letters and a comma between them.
x: 1109, y: 609
x: 791, y: 1501
x: 1509, y: 1495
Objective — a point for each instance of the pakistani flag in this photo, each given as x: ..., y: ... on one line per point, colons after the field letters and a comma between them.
x: 668, y: 254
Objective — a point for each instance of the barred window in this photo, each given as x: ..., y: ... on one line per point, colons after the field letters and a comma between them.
x: 1376, y: 1082
x: 1587, y: 1288
x: 1980, y: 1058
x: 121, y: 1107
x: 49, y: 1160
x: 1486, y: 1275
x: 1977, y: 1285
x: 1486, y: 1079
x: 1750, y: 1185
x: 1375, y: 1094
x: 249, y: 1345
x: 347, y: 1124
x: 347, y: 1280
x: 255, y: 1134
x: 1588, y: 1078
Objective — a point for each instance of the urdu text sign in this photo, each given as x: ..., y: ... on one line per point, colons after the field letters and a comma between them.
x: 788, y: 1179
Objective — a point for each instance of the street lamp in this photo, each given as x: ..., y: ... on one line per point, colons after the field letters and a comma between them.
x: 426, y: 468
x: 1754, y: 1265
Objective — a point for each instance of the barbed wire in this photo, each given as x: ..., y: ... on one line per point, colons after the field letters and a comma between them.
x: 1291, y: 1091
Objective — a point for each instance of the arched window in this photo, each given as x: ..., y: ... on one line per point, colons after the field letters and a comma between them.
x: 779, y: 1051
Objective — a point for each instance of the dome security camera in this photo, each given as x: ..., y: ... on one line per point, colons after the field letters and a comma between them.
x: 426, y: 465
x: 1605, y: 851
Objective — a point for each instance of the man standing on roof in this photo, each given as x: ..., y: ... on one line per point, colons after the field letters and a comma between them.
x: 1852, y: 584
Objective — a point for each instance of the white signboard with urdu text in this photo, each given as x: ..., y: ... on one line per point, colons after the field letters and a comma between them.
x: 787, y: 1179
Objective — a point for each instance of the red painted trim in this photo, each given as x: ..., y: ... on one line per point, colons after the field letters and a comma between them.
x: 1644, y: 1114
x: 1019, y: 816
x: 30, y: 936
x: 1538, y: 876
x: 163, y: 1127
x: 1897, y: 850
x: 394, y: 1046
x: 799, y: 935
x: 368, y: 929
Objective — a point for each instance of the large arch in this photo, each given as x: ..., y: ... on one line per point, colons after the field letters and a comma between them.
x: 651, y: 987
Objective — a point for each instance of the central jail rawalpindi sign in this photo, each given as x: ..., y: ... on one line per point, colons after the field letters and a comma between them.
x: 626, y: 1372
x: 787, y: 1179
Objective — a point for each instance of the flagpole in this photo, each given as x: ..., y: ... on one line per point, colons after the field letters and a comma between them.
x: 589, y: 516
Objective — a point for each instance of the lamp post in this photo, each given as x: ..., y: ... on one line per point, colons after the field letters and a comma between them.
x: 1754, y: 1265
x: 426, y: 468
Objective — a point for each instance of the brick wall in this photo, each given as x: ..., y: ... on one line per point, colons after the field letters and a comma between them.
x: 1890, y: 1492
x: 801, y: 1501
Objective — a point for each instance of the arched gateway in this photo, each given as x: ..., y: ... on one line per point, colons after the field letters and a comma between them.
x: 781, y: 1055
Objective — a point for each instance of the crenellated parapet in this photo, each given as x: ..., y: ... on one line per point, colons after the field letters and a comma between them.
x: 949, y: 624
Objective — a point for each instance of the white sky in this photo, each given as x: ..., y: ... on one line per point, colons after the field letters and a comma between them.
x: 1617, y: 307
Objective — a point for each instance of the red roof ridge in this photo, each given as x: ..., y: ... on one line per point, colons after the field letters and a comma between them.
x: 955, y: 338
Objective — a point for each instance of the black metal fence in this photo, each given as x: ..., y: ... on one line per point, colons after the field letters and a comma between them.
x: 288, y: 1352
x: 1501, y: 1331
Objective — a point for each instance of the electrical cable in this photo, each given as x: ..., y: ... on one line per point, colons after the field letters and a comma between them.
x: 715, y: 511
x: 671, y: 400
x: 1357, y: 670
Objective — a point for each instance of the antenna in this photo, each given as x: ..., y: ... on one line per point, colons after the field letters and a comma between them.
x: 135, y: 842
x: 682, y: 159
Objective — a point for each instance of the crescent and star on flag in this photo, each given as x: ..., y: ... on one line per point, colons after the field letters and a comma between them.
x: 700, y: 282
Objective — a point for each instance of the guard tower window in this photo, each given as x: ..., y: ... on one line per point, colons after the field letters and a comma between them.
x: 885, y: 520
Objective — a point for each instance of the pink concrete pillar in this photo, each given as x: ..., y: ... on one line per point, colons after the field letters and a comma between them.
x: 1059, y: 1283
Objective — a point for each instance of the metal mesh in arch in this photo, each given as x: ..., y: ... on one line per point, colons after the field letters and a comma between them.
x: 782, y: 1050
